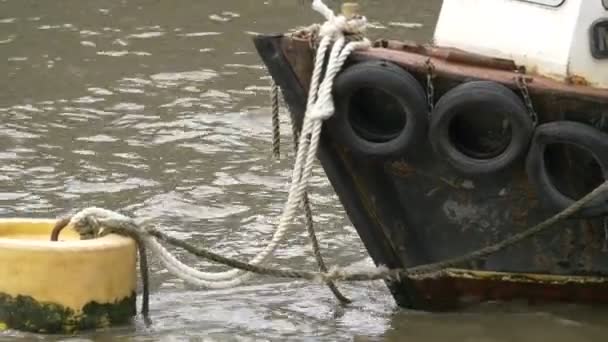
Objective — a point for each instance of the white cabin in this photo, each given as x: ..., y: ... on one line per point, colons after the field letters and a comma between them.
x: 561, y: 39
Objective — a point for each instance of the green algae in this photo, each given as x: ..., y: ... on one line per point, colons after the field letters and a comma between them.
x: 27, y: 314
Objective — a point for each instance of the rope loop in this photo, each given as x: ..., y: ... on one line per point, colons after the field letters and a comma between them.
x: 321, y: 112
x: 94, y: 221
x: 122, y: 225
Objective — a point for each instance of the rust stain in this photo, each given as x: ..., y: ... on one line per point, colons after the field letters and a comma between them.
x: 567, y: 243
x: 402, y: 169
x: 519, y: 215
x: 541, y: 260
x: 449, y: 54
x: 512, y: 277
x: 444, y: 67
x: 454, y: 287
x: 299, y: 55
x: 454, y: 65
x: 371, y: 209
x: 590, y: 243
x: 577, y: 80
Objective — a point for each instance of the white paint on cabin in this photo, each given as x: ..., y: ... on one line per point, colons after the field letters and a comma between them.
x: 551, y: 39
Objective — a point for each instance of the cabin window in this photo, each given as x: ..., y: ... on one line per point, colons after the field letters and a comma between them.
x: 552, y: 3
x: 599, y: 39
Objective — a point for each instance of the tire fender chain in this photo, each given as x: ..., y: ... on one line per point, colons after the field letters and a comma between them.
x: 430, y: 88
x: 522, y: 84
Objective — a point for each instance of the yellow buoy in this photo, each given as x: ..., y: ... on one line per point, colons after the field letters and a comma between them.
x: 67, y: 285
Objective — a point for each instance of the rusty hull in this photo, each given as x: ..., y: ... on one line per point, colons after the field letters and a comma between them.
x: 456, y: 288
x: 415, y: 210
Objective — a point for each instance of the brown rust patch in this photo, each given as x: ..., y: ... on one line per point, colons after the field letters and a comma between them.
x: 551, y: 98
x: 519, y: 215
x: 593, y: 234
x: 402, y: 169
x: 444, y: 68
x: 367, y: 199
x: 577, y: 80
x: 589, y: 241
x: 567, y: 244
x: 300, y: 56
x: 451, y: 288
x: 449, y: 54
x: 541, y: 259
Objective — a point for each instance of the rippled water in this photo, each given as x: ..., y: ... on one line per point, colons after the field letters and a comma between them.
x: 160, y: 109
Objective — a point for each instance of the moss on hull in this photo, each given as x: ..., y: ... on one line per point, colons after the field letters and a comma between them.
x: 27, y: 314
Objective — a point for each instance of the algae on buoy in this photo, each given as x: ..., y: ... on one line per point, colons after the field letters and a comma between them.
x: 65, y: 286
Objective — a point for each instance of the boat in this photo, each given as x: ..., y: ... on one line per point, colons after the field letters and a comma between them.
x: 440, y: 148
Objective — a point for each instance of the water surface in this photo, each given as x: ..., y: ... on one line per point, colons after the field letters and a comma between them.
x: 159, y: 109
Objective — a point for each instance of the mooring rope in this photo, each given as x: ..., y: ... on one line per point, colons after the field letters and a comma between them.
x: 92, y: 222
x: 320, y: 106
x: 308, y: 216
x: 312, y: 236
x: 89, y: 227
x: 276, y: 120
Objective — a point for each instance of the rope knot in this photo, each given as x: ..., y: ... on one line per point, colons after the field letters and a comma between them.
x: 91, y: 222
x: 338, y: 25
x: 88, y: 227
x: 321, y: 111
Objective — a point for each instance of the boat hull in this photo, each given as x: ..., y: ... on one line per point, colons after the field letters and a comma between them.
x: 414, y: 209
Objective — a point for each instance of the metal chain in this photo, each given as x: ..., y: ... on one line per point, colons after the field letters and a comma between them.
x: 430, y: 88
x: 522, y: 84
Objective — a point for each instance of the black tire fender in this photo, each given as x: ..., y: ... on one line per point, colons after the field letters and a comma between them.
x: 393, y: 81
x: 480, y: 98
x: 581, y: 136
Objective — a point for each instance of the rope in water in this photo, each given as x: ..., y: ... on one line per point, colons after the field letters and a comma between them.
x: 97, y: 222
x: 320, y: 107
x: 308, y: 216
x: 314, y: 242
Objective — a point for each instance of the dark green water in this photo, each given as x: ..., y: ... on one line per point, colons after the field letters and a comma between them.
x: 160, y: 109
